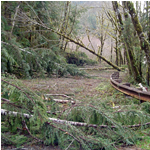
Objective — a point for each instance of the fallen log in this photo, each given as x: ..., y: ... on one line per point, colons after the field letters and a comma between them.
x: 79, y: 43
x: 63, y: 95
x: 69, y: 100
x: 6, y: 112
x: 64, y: 101
x: 101, y: 68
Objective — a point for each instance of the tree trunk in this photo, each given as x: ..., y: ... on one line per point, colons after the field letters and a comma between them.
x: 101, y: 50
x: 117, y: 59
x: 130, y: 53
x: 111, y: 49
x: 101, y: 36
x: 6, y: 112
x: 148, y: 35
x: 148, y: 18
x: 121, y: 58
x: 64, y: 24
x: 71, y: 28
x: 144, y: 43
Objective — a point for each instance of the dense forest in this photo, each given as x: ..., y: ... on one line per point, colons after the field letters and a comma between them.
x: 54, y: 39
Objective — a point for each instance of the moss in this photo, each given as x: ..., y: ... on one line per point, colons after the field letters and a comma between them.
x: 138, y: 28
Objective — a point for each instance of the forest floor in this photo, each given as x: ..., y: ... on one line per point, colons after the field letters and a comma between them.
x: 96, y: 87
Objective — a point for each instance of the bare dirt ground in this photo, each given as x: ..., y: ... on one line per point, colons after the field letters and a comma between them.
x: 77, y: 86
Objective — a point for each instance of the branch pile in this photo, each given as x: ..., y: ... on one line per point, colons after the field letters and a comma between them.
x: 85, y: 125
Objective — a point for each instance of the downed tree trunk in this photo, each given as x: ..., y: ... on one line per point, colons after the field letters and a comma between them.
x: 6, y: 112
x: 91, y: 51
x: 78, y: 43
x: 101, y: 68
x: 64, y: 101
x: 69, y: 100
x: 63, y: 95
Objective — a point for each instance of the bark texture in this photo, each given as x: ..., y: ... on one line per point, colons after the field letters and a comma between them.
x: 144, y: 43
x: 129, y: 52
x: 6, y: 112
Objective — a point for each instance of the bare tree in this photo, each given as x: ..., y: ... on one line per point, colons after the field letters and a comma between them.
x: 102, y: 32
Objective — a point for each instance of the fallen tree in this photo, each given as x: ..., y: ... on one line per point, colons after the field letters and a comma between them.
x: 88, y: 49
x: 79, y: 43
x: 6, y: 112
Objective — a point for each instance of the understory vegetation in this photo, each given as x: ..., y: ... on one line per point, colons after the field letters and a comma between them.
x: 30, y: 54
x: 105, y: 121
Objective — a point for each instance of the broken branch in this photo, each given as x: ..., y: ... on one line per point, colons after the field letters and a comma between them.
x: 64, y: 101
x: 63, y: 95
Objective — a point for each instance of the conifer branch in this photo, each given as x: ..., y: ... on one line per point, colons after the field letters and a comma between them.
x: 69, y: 145
x: 73, y: 106
x: 19, y: 89
x: 7, y: 139
x: 10, y: 103
x: 33, y: 11
x: 26, y: 127
x: 14, y: 46
x: 64, y: 131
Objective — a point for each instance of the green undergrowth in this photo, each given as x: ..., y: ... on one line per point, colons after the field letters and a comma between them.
x: 129, y: 108
x: 15, y: 140
x: 79, y: 59
x: 116, y: 111
x: 144, y: 143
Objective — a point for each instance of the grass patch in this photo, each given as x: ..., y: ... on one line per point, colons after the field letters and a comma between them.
x: 145, y: 142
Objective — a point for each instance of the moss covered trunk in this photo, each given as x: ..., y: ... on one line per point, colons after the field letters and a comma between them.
x: 143, y: 42
x: 129, y: 52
